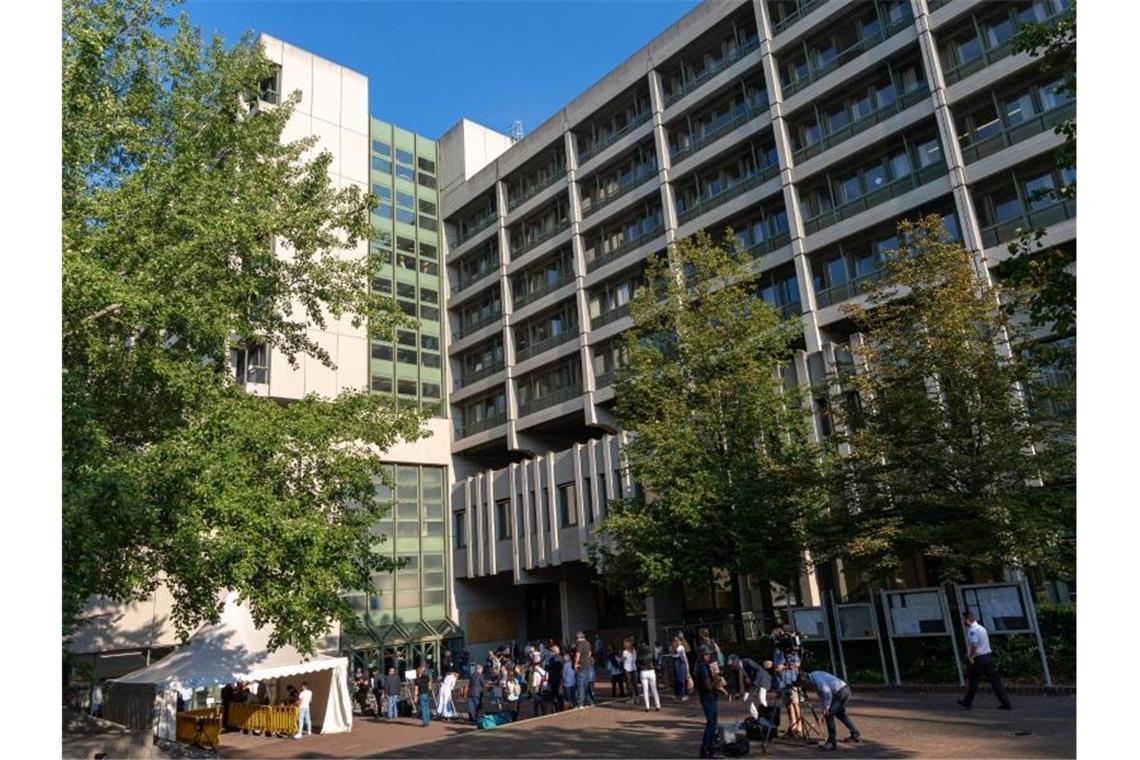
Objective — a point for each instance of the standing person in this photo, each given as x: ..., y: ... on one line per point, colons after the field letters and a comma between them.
x: 680, y: 670
x: 648, y: 674
x: 629, y: 668
x: 788, y: 673
x: 305, y: 718
x: 569, y: 689
x: 658, y: 651
x: 617, y: 677
x: 421, y: 694
x: 705, y: 683
x: 980, y: 657
x: 833, y: 696
x: 538, y: 680
x: 376, y: 682
x: 227, y: 700
x: 584, y: 671
x: 475, y: 694
x: 511, y: 690
x: 392, y: 693
x: 446, y: 702
x: 553, y: 667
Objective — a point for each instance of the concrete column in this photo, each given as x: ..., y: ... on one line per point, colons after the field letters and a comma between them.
x: 555, y: 540
x: 951, y: 150
x: 516, y: 551
x: 664, y: 162
x: 492, y: 530
x: 469, y: 516
x: 787, y: 179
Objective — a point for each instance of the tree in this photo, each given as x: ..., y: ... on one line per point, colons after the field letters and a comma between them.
x: 951, y: 458
x: 719, y: 443
x: 174, y: 189
x: 1042, y: 278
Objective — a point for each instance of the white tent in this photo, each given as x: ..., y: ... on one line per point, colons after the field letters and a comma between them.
x: 234, y: 649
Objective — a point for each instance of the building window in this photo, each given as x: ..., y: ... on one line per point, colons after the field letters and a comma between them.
x: 427, y: 207
x: 382, y: 148
x: 406, y: 172
x: 427, y: 165
x: 460, y: 531
x: 271, y: 86
x: 567, y: 505
x: 251, y: 363
x: 381, y: 165
x: 405, y: 216
x: 403, y: 156
x: 382, y: 384
x: 618, y: 485
x: 382, y: 351
x: 426, y: 180
x: 406, y: 387
x: 588, y: 500
x: 503, y: 519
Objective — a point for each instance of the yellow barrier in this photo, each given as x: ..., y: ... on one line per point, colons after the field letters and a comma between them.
x: 201, y: 727
x: 268, y: 719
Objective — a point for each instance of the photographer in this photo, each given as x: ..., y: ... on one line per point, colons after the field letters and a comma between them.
x: 833, y: 696
x: 786, y: 660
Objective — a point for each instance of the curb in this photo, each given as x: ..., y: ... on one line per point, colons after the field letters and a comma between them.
x: 1013, y: 689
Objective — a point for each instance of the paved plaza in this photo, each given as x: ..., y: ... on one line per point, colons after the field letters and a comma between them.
x: 893, y: 725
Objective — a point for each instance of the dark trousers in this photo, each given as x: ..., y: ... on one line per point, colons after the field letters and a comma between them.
x: 617, y: 685
x: 473, y: 706
x: 679, y: 674
x: 838, y: 709
x: 708, y: 739
x: 984, y: 666
x: 631, y: 684
x: 425, y: 708
x: 538, y: 701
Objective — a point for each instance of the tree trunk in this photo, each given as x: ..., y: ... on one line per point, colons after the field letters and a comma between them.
x: 737, y: 608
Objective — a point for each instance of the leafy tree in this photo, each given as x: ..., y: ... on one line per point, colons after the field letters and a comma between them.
x: 950, y: 457
x: 174, y: 190
x: 719, y: 443
x: 1042, y: 278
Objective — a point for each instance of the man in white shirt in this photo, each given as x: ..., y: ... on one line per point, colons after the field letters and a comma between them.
x: 981, y: 660
x: 304, y: 700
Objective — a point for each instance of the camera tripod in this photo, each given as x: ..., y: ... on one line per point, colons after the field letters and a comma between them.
x: 810, y: 729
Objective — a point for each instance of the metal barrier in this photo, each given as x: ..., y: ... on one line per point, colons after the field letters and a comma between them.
x: 201, y: 727
x: 268, y: 719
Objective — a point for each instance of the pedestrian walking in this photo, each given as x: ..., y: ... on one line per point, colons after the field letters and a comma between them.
x: 648, y: 674
x: 981, y: 661
x: 538, y: 681
x: 706, y: 687
x: 305, y: 718
x: 833, y: 696
x: 446, y: 703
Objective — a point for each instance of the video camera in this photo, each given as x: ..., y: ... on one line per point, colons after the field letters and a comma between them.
x: 787, y: 642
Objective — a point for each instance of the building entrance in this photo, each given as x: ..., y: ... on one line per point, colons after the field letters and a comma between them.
x: 543, y: 612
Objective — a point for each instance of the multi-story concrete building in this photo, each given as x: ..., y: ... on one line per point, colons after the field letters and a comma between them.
x: 807, y: 127
x: 810, y: 128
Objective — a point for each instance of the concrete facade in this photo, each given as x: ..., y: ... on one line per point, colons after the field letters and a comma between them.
x: 811, y: 128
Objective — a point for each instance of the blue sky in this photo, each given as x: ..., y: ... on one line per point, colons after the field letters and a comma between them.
x: 430, y: 63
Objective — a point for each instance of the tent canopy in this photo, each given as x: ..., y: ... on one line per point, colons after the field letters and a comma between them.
x: 233, y: 649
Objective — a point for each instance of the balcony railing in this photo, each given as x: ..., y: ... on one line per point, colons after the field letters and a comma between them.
x: 755, y: 179
x: 604, y: 379
x: 613, y: 137
x: 845, y: 56
x: 726, y: 125
x: 478, y: 426
x: 550, y: 399
x: 861, y: 124
x: 933, y: 5
x: 522, y: 299
x: 850, y: 289
x: 1043, y: 217
x: 620, y: 250
x: 713, y: 69
x: 475, y: 229
x: 515, y: 202
x: 540, y: 238
x: 536, y: 348
x: 464, y: 283
x: 875, y: 197
x: 1019, y: 132
x: 473, y: 377
x: 478, y: 324
x: 639, y: 177
x: 774, y: 243
x: 606, y: 317
x: 991, y: 55
x: 791, y: 18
